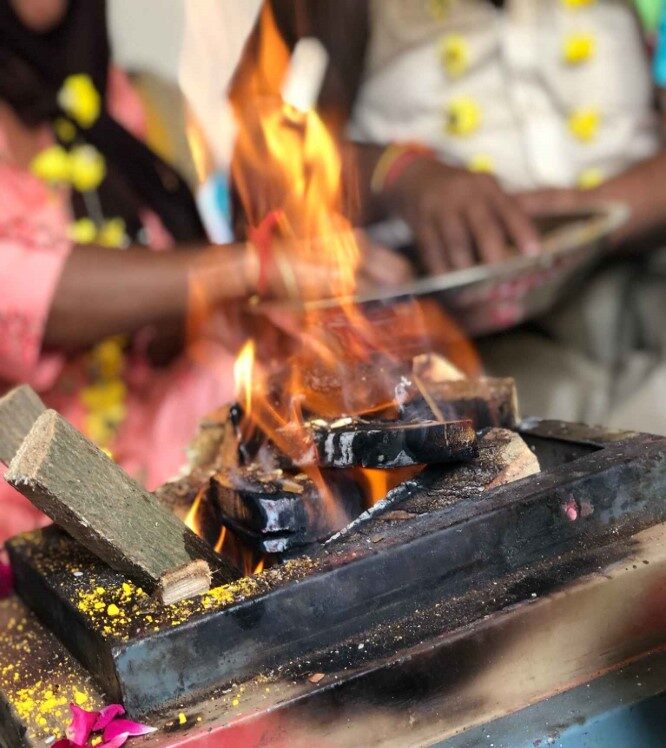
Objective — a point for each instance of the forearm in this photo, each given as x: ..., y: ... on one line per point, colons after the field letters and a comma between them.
x: 359, y: 162
x: 643, y: 189
x: 103, y: 292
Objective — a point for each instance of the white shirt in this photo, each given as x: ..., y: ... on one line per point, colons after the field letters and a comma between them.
x: 542, y: 93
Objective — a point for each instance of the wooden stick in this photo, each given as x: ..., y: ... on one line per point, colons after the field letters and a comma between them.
x: 19, y: 409
x: 72, y: 481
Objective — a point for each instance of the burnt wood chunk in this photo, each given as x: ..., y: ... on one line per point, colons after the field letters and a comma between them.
x: 72, y: 481
x: 19, y: 409
x: 273, y: 513
x: 487, y: 402
x: 388, y: 444
x: 215, y: 445
x: 503, y: 457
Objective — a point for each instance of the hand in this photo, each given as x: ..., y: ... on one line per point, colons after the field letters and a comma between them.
x: 639, y: 188
x: 460, y: 218
x: 556, y: 200
x: 290, y: 275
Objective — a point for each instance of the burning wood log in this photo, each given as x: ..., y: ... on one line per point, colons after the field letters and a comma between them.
x: 503, y: 457
x: 350, y: 442
x: 273, y: 513
x: 19, y: 409
x: 68, y: 478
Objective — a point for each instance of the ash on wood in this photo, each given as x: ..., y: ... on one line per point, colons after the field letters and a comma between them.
x: 19, y: 409
x: 388, y: 444
x: 68, y: 478
x: 503, y: 457
x: 274, y: 513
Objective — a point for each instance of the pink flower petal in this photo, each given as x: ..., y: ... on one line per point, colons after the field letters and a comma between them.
x: 6, y: 581
x: 107, y: 715
x: 116, y: 742
x: 81, y: 725
x: 120, y: 726
x: 64, y: 743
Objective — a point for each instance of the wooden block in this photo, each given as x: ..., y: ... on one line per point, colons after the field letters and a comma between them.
x: 68, y: 478
x: 503, y: 457
x: 274, y: 513
x: 382, y: 444
x: 19, y: 409
x: 488, y: 402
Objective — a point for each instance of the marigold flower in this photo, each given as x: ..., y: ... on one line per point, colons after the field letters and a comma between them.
x: 454, y: 54
x: 52, y: 164
x: 87, y: 168
x: 463, y: 116
x: 584, y: 123
x: 79, y: 98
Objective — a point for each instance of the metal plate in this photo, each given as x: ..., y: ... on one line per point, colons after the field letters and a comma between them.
x: 488, y: 298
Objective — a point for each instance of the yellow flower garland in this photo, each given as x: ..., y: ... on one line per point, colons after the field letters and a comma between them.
x: 84, y: 168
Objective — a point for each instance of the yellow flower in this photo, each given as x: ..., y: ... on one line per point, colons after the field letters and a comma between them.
x: 98, y: 429
x: 82, y: 231
x: 64, y: 129
x: 463, y: 116
x: 590, y: 178
x: 584, y: 123
x: 79, y: 98
x: 481, y: 163
x: 112, y: 234
x: 104, y: 396
x: 52, y: 164
x: 578, y: 48
x: 454, y: 54
x: 87, y: 168
x: 577, y: 3
x: 107, y: 357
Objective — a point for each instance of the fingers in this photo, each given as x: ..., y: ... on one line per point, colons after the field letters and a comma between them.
x: 433, y: 252
x: 385, y: 267
x: 458, y: 245
x: 488, y: 232
x: 519, y: 226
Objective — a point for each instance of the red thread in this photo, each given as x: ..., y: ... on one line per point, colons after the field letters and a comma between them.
x: 262, y: 236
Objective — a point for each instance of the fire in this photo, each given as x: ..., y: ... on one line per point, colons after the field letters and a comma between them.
x: 220, y: 542
x: 336, y: 359
x: 193, y: 518
x: 288, y: 168
x: 243, y: 369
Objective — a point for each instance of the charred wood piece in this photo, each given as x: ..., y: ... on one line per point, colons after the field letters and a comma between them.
x: 487, y: 402
x: 72, y: 481
x: 388, y: 444
x: 273, y: 513
x: 503, y: 457
x: 19, y: 409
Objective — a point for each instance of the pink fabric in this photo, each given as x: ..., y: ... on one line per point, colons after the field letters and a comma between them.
x: 163, y: 405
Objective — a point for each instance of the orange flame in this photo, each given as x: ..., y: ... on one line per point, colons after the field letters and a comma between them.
x: 192, y: 520
x: 287, y: 166
x: 243, y: 371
